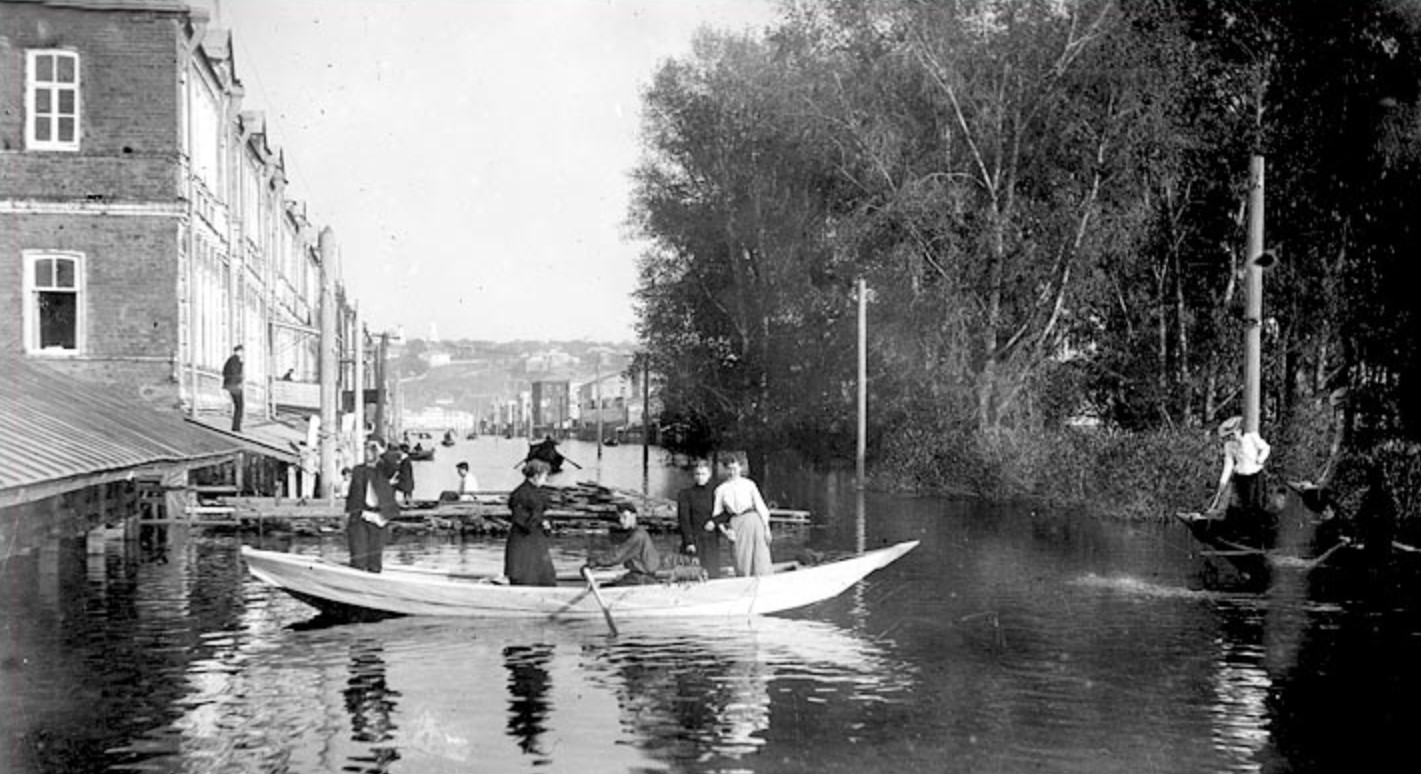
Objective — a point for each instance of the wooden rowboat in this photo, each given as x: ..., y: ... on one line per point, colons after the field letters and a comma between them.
x: 337, y: 588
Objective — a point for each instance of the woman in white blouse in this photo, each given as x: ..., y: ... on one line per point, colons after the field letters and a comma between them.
x: 749, y: 521
x: 1244, y: 456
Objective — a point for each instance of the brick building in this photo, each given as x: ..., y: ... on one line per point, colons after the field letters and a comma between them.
x: 144, y: 224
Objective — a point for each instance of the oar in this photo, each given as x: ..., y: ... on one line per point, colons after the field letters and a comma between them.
x: 574, y: 464
x: 597, y: 593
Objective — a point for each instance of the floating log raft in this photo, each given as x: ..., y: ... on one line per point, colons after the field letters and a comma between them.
x: 583, y: 506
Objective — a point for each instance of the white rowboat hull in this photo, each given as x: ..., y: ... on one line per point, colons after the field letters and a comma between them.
x: 331, y: 586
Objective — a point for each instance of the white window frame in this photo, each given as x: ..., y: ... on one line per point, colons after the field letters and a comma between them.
x: 31, y: 306
x: 33, y: 85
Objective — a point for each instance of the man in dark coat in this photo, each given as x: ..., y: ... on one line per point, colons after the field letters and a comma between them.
x: 404, y: 482
x: 232, y: 379
x: 700, y: 534
x: 369, y: 506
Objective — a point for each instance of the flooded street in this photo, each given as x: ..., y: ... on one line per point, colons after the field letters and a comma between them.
x: 1010, y: 641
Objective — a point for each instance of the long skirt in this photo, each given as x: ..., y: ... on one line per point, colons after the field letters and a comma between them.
x: 752, y: 545
x: 526, y: 561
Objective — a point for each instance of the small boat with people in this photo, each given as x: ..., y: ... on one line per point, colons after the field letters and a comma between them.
x: 448, y: 438
x: 342, y: 590
x: 547, y: 451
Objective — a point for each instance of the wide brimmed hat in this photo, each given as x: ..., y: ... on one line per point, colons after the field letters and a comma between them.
x: 1230, y: 425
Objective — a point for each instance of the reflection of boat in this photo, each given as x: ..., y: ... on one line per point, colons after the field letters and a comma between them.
x: 332, y: 586
x: 1222, y: 538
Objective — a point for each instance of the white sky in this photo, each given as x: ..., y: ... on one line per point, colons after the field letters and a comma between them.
x: 472, y: 156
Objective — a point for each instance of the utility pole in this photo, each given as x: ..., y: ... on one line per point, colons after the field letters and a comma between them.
x: 597, y: 380
x: 862, y: 450
x: 645, y: 418
x: 380, y: 376
x: 330, y: 342
x: 1254, y: 264
x: 357, y: 347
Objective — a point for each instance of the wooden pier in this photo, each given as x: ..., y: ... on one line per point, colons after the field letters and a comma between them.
x: 583, y: 506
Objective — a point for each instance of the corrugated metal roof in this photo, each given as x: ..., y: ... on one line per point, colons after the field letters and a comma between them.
x: 53, y: 428
x: 273, y: 439
x: 165, y: 6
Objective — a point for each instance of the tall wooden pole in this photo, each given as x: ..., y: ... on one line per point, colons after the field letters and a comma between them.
x: 357, y: 349
x: 380, y: 389
x: 1253, y: 309
x: 645, y: 417
x: 598, y: 384
x: 330, y: 343
x: 862, y: 450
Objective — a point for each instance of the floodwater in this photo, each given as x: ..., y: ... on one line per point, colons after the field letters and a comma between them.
x: 1009, y: 641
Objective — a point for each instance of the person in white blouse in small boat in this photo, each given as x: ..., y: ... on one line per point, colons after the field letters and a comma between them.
x: 1244, y: 456
x: 740, y: 498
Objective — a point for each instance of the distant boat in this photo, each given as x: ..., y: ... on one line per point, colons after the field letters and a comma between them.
x: 341, y: 589
x: 448, y: 438
x: 420, y: 455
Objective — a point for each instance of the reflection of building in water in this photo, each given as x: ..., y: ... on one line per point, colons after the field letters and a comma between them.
x: 370, y: 702
x: 528, y: 685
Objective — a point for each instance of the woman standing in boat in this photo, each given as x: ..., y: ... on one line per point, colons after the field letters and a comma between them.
x: 526, y: 561
x: 739, y: 498
x: 1244, y: 455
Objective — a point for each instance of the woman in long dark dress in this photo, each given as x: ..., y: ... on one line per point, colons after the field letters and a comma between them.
x: 526, y: 561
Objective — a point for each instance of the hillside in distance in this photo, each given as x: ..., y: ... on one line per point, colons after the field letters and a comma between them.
x: 476, y: 376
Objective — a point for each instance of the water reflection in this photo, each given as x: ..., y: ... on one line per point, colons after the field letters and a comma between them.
x: 1009, y: 641
x: 707, y: 691
x: 528, y: 686
x: 371, y: 704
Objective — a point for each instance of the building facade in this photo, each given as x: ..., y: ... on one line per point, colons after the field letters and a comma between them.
x: 145, y: 228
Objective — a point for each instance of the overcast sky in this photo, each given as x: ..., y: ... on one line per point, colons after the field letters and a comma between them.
x: 472, y: 156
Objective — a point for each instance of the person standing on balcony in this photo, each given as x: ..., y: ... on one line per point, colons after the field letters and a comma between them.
x: 232, y: 378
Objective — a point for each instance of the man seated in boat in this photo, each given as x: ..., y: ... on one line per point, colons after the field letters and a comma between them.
x: 465, y: 489
x: 636, y: 552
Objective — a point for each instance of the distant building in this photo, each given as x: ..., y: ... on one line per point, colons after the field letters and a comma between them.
x: 436, y: 359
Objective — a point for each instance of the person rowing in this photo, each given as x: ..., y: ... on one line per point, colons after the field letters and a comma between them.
x: 547, y: 451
